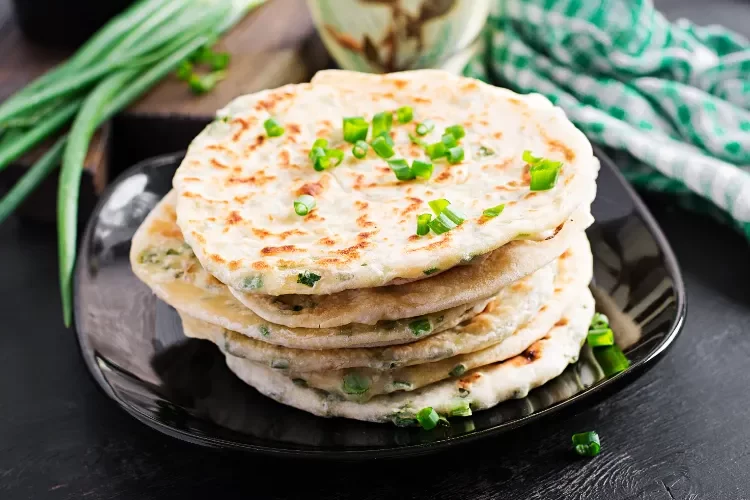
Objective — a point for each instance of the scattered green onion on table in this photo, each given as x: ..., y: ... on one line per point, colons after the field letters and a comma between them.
x: 117, y: 65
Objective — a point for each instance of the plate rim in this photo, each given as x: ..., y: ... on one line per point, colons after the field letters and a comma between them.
x: 591, y: 395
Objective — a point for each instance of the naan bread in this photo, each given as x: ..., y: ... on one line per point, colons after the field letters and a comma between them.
x: 236, y: 186
x: 459, y: 285
x: 500, y: 319
x: 477, y: 389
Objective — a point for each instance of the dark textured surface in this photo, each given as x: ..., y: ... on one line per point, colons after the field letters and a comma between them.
x: 679, y: 432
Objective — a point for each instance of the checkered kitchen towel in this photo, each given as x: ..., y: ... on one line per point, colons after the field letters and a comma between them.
x: 669, y: 101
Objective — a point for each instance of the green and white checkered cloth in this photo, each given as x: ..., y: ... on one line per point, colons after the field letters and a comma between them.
x: 669, y: 101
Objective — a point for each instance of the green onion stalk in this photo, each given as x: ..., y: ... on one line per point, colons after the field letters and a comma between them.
x: 121, y: 62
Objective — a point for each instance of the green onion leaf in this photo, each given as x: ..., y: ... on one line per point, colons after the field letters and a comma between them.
x: 457, y: 371
x: 543, y: 172
x: 531, y: 159
x: 304, y: 204
x: 200, y: 84
x: 404, y: 114
x: 600, y: 337
x: 273, y: 128
x: 438, y: 205
x: 435, y: 150
x: 430, y: 271
x: 599, y: 321
x: 307, y: 278
x: 220, y: 60
x: 355, y: 383
x: 420, y: 326
x: 401, y: 169
x: 461, y: 410
x: 382, y: 123
x: 611, y: 359
x: 421, y: 169
x: 381, y: 147
x: 456, y: 131
x: 423, y: 224
x: 455, y: 155
x: 320, y: 160
x: 336, y: 156
x: 319, y: 144
x: 586, y: 444
x: 485, y: 151
x: 184, y: 71
x: 355, y: 129
x: 449, y: 141
x: 441, y: 224
x: 360, y: 149
x: 427, y: 418
x: 454, y: 214
x: 416, y: 140
x: 494, y: 211
x: 425, y: 127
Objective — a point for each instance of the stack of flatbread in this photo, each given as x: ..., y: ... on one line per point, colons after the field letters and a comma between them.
x: 346, y: 310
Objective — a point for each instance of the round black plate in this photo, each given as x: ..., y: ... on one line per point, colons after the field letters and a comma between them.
x: 134, y: 346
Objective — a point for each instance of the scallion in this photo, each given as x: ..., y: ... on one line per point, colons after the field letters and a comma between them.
x: 449, y: 141
x: 420, y: 326
x: 307, y: 278
x: 456, y: 131
x: 273, y: 127
x: 423, y: 224
x: 401, y: 169
x: 454, y: 214
x: 427, y: 418
x: 416, y: 140
x: 494, y: 211
x: 404, y: 114
x: 601, y: 337
x: 457, y: 370
x: 359, y: 150
x: 304, y: 204
x: 319, y: 143
x: 184, y: 71
x: 435, y: 150
x: 586, y: 444
x: 455, y: 155
x: 381, y: 147
x: 611, y: 359
x: 543, y: 171
x: 599, y: 321
x: 355, y: 383
x: 421, y: 169
x: 441, y: 224
x: 355, y: 129
x: 438, y: 205
x: 425, y: 127
x: 382, y: 123
x: 463, y: 409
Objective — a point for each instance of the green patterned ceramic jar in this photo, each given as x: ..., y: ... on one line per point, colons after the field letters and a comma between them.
x: 379, y: 36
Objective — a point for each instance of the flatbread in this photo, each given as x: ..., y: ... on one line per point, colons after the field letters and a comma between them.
x: 459, y: 285
x: 477, y: 389
x: 500, y: 319
x: 236, y: 186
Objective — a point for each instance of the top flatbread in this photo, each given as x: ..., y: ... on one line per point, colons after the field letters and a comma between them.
x: 236, y: 186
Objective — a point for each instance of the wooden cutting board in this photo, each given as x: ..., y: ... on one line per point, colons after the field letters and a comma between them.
x: 274, y: 45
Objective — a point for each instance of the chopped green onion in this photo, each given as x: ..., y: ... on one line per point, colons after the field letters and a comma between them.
x: 435, y: 150
x: 455, y: 155
x: 304, y: 204
x: 360, y: 149
x: 381, y: 147
x: 402, y: 386
x: 336, y: 155
x: 421, y: 169
x: 454, y: 214
x: 382, y: 123
x: 457, y: 371
x: 355, y: 129
x: 184, y: 71
x: 531, y: 159
x: 430, y: 271
x: 543, y: 172
x: 273, y: 128
x: 416, y: 140
x: 401, y: 169
x: 586, y: 444
x: 461, y: 410
x: 404, y: 114
x: 611, y: 359
x: 200, y: 84
x: 425, y: 127
x: 599, y: 321
x: 307, y: 278
x: 280, y: 364
x: 485, y: 151
x: 441, y: 224
x: 449, y: 141
x: 355, y: 383
x: 427, y: 418
x: 438, y: 205
x: 420, y: 326
x: 423, y: 224
x: 327, y: 159
x: 456, y: 131
x: 319, y: 144
x: 494, y: 211
x: 220, y: 60
x: 601, y: 337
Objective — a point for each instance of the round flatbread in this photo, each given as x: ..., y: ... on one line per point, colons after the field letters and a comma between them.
x: 237, y: 186
x: 477, y: 389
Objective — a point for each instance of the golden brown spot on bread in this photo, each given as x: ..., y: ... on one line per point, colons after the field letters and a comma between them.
x: 557, y: 230
x: 217, y: 258
x: 241, y: 199
x: 422, y: 100
x: 165, y: 228
x: 191, y: 179
x: 363, y: 222
x: 384, y: 170
x: 543, y: 308
x: 400, y: 84
x: 519, y: 286
x: 491, y: 306
x: 260, y: 266
x: 560, y: 147
x: 244, y: 125
x: 533, y: 353
x: 261, y: 233
x: 514, y: 100
x: 284, y: 158
x: 562, y: 322
x: 526, y: 175
x: 565, y: 254
x: 558, y: 290
x: 361, y: 205
x: 291, y: 232
x: 292, y: 128
x: 465, y: 382
x: 330, y: 260
x: 365, y: 235
x: 444, y: 176
x: 234, y: 217
x: 497, y: 135
x: 414, y: 204
x: 281, y: 249
x: 414, y: 237
x: 442, y: 241
x: 531, y: 194
x: 234, y: 265
x: 199, y: 237
x: 258, y: 142
x: 470, y: 85
x: 217, y: 164
x: 484, y: 219
x: 327, y: 241
x: 313, y: 188
x: 313, y: 216
x: 256, y: 180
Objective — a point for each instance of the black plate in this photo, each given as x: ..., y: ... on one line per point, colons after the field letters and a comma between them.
x: 134, y: 346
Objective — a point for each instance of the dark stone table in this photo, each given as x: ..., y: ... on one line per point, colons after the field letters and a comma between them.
x: 680, y: 432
